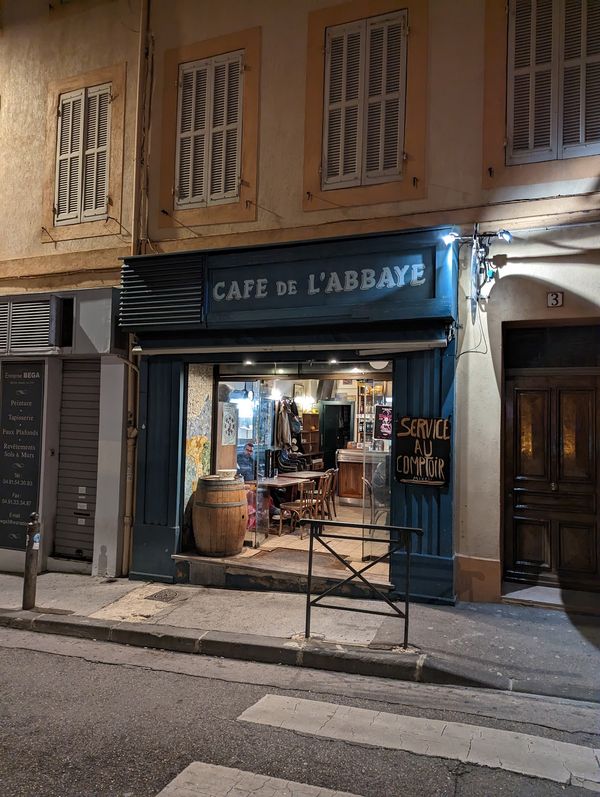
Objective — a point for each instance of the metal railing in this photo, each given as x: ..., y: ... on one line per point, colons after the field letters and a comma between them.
x: 402, y: 541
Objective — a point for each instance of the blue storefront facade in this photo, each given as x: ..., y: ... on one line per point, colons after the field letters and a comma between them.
x: 392, y: 296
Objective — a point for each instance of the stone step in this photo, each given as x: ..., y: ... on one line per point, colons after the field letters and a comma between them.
x: 244, y: 573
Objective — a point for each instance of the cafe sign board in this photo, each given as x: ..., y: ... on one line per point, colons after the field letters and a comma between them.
x: 21, y: 400
x: 423, y: 451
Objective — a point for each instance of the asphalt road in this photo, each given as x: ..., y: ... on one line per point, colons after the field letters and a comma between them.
x: 86, y: 718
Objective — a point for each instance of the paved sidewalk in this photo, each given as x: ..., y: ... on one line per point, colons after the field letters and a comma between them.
x: 489, y: 645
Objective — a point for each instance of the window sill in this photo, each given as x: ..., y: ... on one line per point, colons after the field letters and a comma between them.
x: 227, y: 212
x: 317, y: 198
x: 86, y: 229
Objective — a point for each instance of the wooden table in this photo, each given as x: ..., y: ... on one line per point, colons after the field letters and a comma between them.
x: 306, y: 474
x: 278, y: 481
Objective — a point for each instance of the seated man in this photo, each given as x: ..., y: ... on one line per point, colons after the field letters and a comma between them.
x: 246, y: 464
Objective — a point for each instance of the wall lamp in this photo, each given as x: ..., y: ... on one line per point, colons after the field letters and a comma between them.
x: 483, y: 267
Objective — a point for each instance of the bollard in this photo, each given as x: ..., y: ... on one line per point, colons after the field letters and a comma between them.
x: 32, y: 547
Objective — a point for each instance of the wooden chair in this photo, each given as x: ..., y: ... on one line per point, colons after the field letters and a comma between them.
x: 302, y: 507
x: 376, y: 509
x: 333, y: 492
x: 324, y: 495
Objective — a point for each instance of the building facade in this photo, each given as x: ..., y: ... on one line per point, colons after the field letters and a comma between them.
x: 276, y: 141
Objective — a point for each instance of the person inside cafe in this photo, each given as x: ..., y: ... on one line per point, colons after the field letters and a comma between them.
x: 245, y: 462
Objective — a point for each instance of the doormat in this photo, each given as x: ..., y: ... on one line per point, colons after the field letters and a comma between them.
x: 294, y: 557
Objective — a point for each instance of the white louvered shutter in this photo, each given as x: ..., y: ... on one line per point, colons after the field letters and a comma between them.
x: 532, y: 81
x: 344, y: 105
x: 96, y: 152
x: 4, y: 309
x: 226, y: 127
x: 385, y: 103
x: 69, y: 157
x: 580, y: 118
x: 192, y: 145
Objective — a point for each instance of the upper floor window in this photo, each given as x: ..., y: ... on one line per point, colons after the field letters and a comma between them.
x: 209, y: 131
x: 553, y: 80
x: 82, y: 155
x: 365, y: 88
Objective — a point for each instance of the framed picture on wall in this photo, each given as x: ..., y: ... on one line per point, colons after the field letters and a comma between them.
x: 298, y: 390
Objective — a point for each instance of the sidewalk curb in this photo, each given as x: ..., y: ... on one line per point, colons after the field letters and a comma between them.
x: 315, y: 654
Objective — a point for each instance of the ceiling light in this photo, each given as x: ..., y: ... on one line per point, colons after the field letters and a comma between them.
x: 379, y: 365
x: 332, y: 362
x: 248, y: 362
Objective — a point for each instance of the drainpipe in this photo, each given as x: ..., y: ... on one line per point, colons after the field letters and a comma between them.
x: 139, y: 186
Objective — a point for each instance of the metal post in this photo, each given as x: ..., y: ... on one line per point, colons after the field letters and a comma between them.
x: 312, y: 530
x: 32, y: 547
x: 407, y: 538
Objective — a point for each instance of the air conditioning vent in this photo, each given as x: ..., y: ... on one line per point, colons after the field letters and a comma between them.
x: 156, y: 295
x: 4, y: 328
x: 30, y: 326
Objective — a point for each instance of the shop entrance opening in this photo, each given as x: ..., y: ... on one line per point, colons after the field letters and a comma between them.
x: 310, y: 439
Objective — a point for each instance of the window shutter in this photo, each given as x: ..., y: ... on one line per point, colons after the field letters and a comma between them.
x: 226, y: 132
x: 580, y: 120
x: 343, y: 116
x: 3, y: 327
x: 96, y: 152
x: 69, y: 157
x: 386, y: 88
x: 191, y: 157
x: 532, y: 81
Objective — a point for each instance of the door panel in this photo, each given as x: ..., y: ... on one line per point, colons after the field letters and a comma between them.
x: 551, y: 481
x: 532, y: 544
x: 532, y: 415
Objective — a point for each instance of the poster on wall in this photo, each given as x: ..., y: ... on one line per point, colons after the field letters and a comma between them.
x: 423, y: 451
x: 229, y: 429
x: 20, y: 449
x: 264, y: 436
x: 383, y: 422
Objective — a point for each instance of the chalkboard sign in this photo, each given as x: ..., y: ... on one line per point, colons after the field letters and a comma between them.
x: 423, y: 451
x: 383, y: 422
x: 20, y: 440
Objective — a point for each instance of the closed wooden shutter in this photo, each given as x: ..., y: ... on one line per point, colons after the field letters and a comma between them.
x: 209, y: 131
x: 78, y: 459
x: 580, y: 120
x: 386, y: 85
x: 192, y: 144
x: 96, y: 152
x: 69, y: 157
x: 532, y: 81
x: 226, y: 133
x: 344, y: 92
x: 365, y: 98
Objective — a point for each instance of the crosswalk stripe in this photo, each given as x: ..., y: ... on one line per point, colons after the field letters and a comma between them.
x: 210, y: 780
x: 534, y: 756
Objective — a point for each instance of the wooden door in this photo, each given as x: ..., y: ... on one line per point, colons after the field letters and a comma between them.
x: 551, y: 481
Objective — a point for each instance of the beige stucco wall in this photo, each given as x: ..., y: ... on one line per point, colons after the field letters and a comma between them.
x: 539, y: 261
x: 38, y: 46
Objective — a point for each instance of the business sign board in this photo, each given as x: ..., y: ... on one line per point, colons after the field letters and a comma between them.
x: 22, y: 385
x: 423, y: 451
x: 354, y: 280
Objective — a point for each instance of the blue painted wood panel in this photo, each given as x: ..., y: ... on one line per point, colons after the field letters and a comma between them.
x: 157, y: 527
x: 424, y: 387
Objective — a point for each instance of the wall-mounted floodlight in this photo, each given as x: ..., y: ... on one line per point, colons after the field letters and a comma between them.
x: 505, y: 235
x: 450, y: 238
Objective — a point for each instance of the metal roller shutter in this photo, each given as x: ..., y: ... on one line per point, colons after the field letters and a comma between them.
x: 78, y: 459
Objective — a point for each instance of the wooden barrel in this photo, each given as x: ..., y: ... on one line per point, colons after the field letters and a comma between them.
x: 219, y: 516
